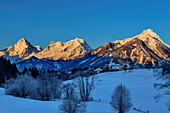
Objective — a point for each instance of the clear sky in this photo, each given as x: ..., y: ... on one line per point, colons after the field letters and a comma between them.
x: 96, y: 21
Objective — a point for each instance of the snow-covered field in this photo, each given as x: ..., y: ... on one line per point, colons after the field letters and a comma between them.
x: 140, y: 82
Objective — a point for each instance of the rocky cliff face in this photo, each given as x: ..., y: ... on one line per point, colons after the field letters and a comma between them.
x: 22, y: 48
x: 76, y: 48
x: 144, y: 48
x: 68, y: 50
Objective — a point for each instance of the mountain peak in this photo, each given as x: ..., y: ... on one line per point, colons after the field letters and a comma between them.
x: 147, y: 45
x: 79, y: 40
x: 148, y: 31
x: 150, y: 36
x: 65, y: 50
x: 22, y: 48
x: 22, y: 41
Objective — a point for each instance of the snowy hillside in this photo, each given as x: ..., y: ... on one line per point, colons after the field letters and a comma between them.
x: 140, y: 82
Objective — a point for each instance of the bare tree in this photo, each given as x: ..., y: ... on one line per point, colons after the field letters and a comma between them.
x: 69, y: 90
x: 72, y: 106
x: 121, y: 99
x: 85, y: 86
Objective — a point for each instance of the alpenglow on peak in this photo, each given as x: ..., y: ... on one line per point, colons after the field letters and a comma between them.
x: 148, y: 31
x: 72, y: 49
x: 22, y: 49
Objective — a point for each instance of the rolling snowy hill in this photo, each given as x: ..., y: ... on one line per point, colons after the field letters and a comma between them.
x: 140, y: 82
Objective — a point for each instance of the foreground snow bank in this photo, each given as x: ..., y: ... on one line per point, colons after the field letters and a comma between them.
x: 140, y: 82
x: 10, y: 104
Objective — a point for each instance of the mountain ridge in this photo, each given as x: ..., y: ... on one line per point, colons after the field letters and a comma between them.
x: 65, y: 50
x: 143, y: 48
x: 22, y: 48
x: 147, y: 46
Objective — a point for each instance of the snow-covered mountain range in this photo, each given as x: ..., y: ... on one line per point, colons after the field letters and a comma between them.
x: 144, y: 48
x: 76, y: 48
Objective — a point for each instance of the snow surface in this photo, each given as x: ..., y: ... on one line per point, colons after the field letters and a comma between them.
x: 140, y: 82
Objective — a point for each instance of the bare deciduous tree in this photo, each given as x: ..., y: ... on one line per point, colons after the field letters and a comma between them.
x: 72, y: 106
x: 85, y: 86
x: 69, y: 90
x: 121, y: 99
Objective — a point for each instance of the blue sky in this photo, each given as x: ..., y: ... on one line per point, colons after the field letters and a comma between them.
x: 96, y: 21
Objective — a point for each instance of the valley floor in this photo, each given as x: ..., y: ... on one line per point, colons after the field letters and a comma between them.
x: 140, y: 82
